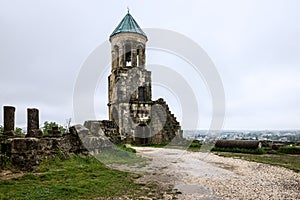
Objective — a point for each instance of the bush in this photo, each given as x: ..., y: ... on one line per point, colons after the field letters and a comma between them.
x: 195, y: 144
x: 49, y: 125
x: 19, y: 132
x: 289, y: 150
x: 240, y: 150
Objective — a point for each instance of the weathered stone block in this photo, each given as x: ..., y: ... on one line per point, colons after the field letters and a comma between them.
x: 37, y: 133
x: 32, y: 119
x: 9, y: 120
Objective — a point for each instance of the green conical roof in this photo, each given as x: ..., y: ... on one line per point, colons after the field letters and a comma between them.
x: 128, y: 25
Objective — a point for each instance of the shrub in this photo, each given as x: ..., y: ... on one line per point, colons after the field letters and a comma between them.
x: 128, y: 149
x: 195, y: 144
x: 49, y: 125
x: 289, y: 150
x: 19, y: 132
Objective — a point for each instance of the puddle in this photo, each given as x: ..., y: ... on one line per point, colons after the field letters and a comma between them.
x: 193, y: 189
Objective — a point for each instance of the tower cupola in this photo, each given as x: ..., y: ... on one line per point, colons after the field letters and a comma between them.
x: 128, y: 44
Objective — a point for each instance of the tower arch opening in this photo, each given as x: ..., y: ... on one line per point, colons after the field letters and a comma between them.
x: 128, y: 57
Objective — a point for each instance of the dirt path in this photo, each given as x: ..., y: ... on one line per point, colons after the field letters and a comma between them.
x: 207, y: 176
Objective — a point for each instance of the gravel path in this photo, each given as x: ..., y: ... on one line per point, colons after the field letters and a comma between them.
x: 208, y: 176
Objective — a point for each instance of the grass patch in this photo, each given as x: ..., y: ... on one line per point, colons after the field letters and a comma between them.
x: 162, y: 145
x: 126, y: 148
x: 288, y: 161
x: 289, y: 150
x: 195, y: 146
x: 74, y: 178
x: 240, y: 150
x: 119, y: 155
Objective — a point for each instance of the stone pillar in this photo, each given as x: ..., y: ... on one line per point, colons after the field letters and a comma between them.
x: 32, y: 119
x: 142, y: 57
x: 122, y: 57
x: 9, y: 120
x: 133, y: 58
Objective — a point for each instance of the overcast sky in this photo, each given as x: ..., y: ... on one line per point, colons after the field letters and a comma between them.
x: 254, y: 44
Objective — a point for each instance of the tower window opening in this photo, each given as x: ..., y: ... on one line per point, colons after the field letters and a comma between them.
x: 141, y: 93
x: 128, y: 55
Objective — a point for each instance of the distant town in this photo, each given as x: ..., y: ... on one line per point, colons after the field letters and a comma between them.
x: 267, y: 135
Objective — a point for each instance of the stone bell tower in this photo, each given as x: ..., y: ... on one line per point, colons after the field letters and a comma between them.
x: 130, y: 97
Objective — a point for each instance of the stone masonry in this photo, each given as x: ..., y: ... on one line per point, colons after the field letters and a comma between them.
x: 139, y: 119
x: 26, y: 153
x: 9, y: 120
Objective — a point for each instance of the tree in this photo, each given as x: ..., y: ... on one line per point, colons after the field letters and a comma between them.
x: 1, y: 130
x: 48, y: 126
x: 19, y: 132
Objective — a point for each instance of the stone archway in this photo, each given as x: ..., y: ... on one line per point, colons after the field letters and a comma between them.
x: 142, y: 134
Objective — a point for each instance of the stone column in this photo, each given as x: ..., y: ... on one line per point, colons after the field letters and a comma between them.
x: 32, y: 119
x: 9, y: 119
x: 133, y: 58
x: 142, y: 57
x: 122, y: 57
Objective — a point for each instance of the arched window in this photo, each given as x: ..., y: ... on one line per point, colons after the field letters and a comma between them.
x: 141, y: 93
x: 128, y: 55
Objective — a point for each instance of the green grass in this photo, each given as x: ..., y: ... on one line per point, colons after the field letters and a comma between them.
x: 162, y: 145
x: 240, y: 150
x: 126, y: 148
x: 284, y: 160
x: 119, y: 155
x: 74, y: 178
x: 195, y: 146
x: 289, y: 150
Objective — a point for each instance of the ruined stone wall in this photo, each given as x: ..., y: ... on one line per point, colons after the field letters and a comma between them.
x: 102, y: 128
x: 164, y: 126
x: 27, y: 153
x: 145, y: 123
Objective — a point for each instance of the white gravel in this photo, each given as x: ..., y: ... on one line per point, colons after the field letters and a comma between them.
x: 208, y: 176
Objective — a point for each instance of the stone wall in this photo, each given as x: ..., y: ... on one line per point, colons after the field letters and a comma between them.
x: 160, y: 125
x: 27, y: 153
x: 164, y: 124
